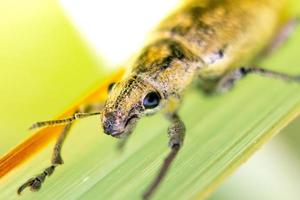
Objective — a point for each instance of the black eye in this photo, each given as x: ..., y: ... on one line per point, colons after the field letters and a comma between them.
x: 110, y: 86
x: 151, y: 100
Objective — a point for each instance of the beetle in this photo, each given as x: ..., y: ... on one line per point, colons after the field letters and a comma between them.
x: 212, y: 42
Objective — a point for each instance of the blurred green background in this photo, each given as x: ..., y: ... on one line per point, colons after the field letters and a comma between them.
x: 45, y: 66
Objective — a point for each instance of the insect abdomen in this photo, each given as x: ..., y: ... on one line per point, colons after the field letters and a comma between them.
x: 224, y: 34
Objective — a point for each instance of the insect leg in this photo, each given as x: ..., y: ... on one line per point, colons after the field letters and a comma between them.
x: 176, y: 132
x: 35, y: 183
x: 228, y: 80
x: 283, y: 35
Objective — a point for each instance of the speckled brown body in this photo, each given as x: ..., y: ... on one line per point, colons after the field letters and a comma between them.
x: 221, y: 35
x: 201, y: 40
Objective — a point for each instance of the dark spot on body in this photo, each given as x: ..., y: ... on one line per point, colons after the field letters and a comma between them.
x: 196, y: 11
x: 141, y: 68
x: 110, y: 86
x: 221, y: 53
x: 244, y: 71
x: 176, y: 51
x: 204, y: 28
x: 179, y: 30
x: 165, y: 63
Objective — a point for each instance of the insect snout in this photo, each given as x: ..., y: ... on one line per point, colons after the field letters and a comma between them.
x: 112, y: 124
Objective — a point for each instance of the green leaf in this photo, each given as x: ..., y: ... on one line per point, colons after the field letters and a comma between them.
x: 222, y: 131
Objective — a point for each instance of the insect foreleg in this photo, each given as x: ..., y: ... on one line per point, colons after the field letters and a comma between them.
x: 176, y: 133
x: 35, y: 183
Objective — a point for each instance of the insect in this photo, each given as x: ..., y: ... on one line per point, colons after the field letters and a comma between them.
x: 212, y: 42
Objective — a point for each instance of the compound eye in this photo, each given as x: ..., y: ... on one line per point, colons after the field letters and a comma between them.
x: 151, y: 100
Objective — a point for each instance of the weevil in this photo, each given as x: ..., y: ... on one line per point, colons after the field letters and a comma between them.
x: 211, y: 42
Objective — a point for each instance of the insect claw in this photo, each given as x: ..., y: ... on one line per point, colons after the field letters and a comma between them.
x: 34, y: 183
x: 28, y: 183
